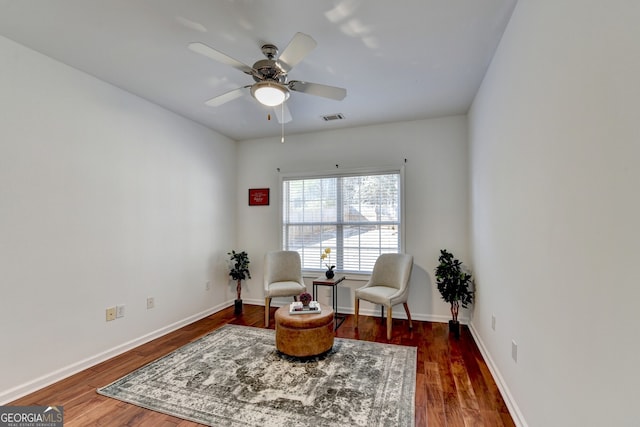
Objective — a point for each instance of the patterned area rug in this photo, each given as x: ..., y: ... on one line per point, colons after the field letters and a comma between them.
x: 235, y: 377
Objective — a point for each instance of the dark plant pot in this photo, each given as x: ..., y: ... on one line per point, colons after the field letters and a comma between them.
x: 454, y: 328
x: 238, y: 307
x: 329, y: 274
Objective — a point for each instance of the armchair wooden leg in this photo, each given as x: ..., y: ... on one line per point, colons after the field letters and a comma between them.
x: 267, y: 303
x: 389, y: 322
x: 406, y: 309
x: 357, y: 306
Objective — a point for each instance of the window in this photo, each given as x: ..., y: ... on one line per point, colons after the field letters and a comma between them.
x: 358, y: 216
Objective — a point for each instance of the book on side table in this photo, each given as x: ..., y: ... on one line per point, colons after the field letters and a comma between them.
x: 297, y: 308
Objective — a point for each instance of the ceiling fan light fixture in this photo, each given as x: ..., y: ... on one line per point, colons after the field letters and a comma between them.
x: 270, y: 93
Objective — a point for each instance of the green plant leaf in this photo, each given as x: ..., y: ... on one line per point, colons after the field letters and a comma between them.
x: 453, y: 283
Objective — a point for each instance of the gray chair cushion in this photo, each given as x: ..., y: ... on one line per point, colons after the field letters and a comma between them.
x: 389, y: 283
x: 283, y: 274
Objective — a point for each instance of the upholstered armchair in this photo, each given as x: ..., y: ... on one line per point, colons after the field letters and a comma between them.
x: 282, y: 278
x: 388, y: 286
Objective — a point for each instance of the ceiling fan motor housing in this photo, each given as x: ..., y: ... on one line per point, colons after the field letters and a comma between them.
x: 268, y: 69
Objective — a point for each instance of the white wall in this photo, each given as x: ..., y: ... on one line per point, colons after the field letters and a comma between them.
x: 105, y: 199
x: 436, y: 187
x: 554, y: 149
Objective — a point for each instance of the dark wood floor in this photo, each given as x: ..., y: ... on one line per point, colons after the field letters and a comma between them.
x: 453, y: 384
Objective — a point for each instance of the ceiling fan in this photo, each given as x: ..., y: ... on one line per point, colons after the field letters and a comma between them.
x: 272, y: 87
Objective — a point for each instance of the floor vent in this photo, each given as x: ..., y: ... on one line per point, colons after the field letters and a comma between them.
x: 330, y: 117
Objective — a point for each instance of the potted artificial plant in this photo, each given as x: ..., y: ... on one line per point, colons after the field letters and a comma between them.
x: 454, y: 284
x: 326, y: 254
x: 239, y: 272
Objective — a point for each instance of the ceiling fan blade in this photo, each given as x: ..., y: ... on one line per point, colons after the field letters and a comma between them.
x: 226, y: 97
x: 299, y: 47
x: 325, y: 91
x: 216, y: 55
x: 282, y: 113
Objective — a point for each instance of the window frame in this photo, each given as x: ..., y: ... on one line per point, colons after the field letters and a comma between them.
x: 282, y: 176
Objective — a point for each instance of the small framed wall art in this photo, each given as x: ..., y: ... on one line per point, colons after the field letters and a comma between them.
x: 258, y: 197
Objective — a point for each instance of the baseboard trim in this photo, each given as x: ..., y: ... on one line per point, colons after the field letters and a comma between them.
x: 514, y: 410
x: 65, y: 372
x: 398, y: 311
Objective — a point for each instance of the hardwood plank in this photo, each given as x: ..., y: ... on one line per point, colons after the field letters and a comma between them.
x: 421, y: 390
x: 453, y: 384
x: 466, y: 395
x: 455, y: 417
x: 421, y: 416
x: 435, y: 416
x: 432, y: 373
x: 507, y: 421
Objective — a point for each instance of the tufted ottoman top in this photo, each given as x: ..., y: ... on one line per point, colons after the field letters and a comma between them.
x: 304, y: 321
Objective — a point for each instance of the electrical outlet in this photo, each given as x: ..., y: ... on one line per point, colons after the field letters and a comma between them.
x: 207, y: 286
x: 493, y: 322
x: 514, y: 351
x: 120, y: 311
x: 151, y: 303
x: 111, y: 314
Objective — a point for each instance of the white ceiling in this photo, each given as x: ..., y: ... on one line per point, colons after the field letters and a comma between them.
x: 399, y: 60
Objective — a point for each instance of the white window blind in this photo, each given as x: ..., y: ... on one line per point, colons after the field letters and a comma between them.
x: 358, y: 216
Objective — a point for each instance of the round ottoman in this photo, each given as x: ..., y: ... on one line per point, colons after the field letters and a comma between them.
x: 304, y: 335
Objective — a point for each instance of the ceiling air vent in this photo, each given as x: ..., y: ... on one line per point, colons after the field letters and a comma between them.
x: 330, y: 117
